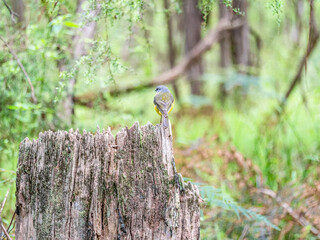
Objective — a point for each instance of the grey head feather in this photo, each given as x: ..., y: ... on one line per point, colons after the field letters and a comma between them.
x: 162, y: 88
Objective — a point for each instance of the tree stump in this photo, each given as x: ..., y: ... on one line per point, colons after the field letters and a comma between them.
x: 73, y: 186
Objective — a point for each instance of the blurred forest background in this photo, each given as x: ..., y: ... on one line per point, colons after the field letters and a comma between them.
x: 244, y: 73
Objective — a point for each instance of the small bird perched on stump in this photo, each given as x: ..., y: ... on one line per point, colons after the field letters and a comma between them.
x: 163, y: 104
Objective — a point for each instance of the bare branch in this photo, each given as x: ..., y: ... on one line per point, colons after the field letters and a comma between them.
x: 203, y: 46
x: 13, y: 53
x: 12, y: 13
x: 8, y: 229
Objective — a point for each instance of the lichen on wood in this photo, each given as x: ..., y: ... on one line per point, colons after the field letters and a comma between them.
x: 85, y: 186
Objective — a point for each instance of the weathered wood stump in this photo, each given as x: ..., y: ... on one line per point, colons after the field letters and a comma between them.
x: 73, y: 186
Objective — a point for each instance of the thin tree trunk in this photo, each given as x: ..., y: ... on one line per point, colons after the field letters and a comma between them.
x: 73, y: 186
x: 79, y: 49
x: 192, y: 28
x: 240, y: 36
x: 171, y: 48
x: 18, y: 9
x: 297, y: 26
x: 225, y: 46
x: 225, y: 42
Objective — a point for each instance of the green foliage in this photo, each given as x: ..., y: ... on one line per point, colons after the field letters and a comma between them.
x: 276, y: 8
x: 206, y: 7
x: 130, y: 11
x: 228, y: 3
x: 218, y: 198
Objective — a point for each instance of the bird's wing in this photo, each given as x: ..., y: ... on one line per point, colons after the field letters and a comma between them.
x: 171, y: 107
x: 171, y: 103
x: 162, y: 107
x: 161, y: 104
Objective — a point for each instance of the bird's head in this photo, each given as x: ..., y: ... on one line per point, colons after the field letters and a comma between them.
x: 162, y: 88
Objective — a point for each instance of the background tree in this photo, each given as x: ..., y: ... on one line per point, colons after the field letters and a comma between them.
x: 18, y: 9
x: 225, y: 12
x: 240, y: 36
x: 171, y: 47
x: 192, y: 20
x: 298, y: 7
x: 80, y: 46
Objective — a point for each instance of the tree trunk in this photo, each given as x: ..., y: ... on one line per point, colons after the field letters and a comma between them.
x: 225, y: 42
x: 192, y: 28
x: 79, y: 49
x: 240, y: 36
x: 73, y: 186
x: 18, y: 8
x: 171, y: 48
x: 225, y: 46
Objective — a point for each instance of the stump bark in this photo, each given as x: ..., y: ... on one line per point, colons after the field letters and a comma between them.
x: 85, y: 186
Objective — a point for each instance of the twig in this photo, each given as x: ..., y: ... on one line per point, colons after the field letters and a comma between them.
x: 8, y: 229
x: 5, y: 232
x: 12, y: 13
x: 33, y: 97
x: 244, y: 232
x: 13, y: 226
x: 4, y: 201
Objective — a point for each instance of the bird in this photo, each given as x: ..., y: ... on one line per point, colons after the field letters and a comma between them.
x: 163, y: 104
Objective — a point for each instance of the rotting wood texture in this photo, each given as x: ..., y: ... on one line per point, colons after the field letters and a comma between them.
x: 73, y: 186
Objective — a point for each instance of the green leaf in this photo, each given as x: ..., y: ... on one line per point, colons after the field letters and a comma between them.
x: 12, y: 107
x: 71, y: 24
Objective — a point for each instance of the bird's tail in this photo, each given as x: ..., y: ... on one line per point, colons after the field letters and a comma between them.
x: 165, y: 121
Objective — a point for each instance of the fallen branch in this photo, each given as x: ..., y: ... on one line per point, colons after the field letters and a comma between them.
x: 174, y: 73
x: 296, y: 216
x: 248, y: 171
x: 312, y: 43
x: 33, y: 97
